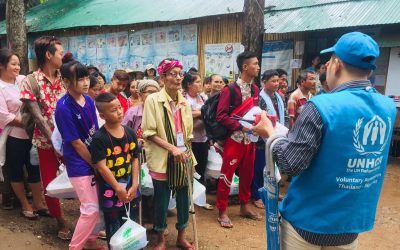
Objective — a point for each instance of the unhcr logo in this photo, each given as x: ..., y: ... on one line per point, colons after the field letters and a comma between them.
x: 369, y: 140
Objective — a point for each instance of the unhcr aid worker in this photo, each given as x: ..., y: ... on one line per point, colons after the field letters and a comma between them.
x: 337, y: 151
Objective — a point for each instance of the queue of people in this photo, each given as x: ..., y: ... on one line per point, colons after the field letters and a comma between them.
x: 105, y: 131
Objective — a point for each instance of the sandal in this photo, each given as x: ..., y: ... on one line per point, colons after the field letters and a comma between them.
x: 30, y: 215
x: 65, y: 235
x: 43, y: 212
x: 259, y: 204
x: 227, y: 223
x: 252, y: 216
x: 208, y: 207
x: 102, y: 235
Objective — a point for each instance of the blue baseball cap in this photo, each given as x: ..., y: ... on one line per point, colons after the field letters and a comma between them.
x: 356, y: 49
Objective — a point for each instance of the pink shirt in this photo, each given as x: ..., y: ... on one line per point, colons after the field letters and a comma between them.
x: 10, y: 105
x: 199, y: 131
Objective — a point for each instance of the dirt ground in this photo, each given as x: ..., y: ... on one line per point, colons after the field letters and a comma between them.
x: 18, y: 233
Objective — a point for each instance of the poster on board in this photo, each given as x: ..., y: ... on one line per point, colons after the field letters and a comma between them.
x: 393, y: 76
x: 133, y: 50
x: 278, y: 55
x: 221, y: 59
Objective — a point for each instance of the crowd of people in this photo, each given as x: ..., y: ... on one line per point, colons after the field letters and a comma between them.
x: 106, y: 128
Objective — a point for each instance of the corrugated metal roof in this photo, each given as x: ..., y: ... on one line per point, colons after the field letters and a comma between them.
x: 294, y: 4
x: 61, y: 14
x: 333, y: 15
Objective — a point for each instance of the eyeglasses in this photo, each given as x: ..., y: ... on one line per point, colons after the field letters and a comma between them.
x: 149, y: 92
x: 175, y: 75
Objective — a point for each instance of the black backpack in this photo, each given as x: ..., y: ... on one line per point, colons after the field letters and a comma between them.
x: 214, y: 130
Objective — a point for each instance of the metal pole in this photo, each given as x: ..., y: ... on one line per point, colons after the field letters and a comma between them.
x: 271, y: 194
x: 141, y: 161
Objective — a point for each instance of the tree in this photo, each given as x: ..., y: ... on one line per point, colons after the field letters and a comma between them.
x: 16, y: 31
x: 253, y: 26
x: 28, y: 4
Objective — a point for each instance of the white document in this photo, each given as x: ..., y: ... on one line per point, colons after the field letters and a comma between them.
x: 251, y: 115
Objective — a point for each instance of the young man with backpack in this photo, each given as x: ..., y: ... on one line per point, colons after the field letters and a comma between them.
x: 239, y: 151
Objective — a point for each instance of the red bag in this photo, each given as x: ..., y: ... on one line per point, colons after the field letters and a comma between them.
x: 245, y: 106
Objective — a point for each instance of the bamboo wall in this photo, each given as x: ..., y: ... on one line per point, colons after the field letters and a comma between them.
x: 297, y: 36
x: 224, y: 29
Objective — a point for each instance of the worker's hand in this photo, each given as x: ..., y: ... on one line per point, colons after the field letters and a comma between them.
x: 265, y: 127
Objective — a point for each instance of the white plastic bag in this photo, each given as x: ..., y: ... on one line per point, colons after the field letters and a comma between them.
x: 34, y: 156
x: 130, y: 236
x: 214, y: 164
x: 199, y: 196
x: 171, y: 203
x: 56, y: 138
x: 146, y: 182
x: 199, y: 191
x: 235, y: 185
x: 3, y: 140
x: 61, y: 186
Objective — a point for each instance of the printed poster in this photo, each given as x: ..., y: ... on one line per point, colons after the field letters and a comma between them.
x: 189, y: 39
x: 278, y: 55
x: 101, y: 47
x: 221, y: 59
x: 81, y: 53
x: 134, y: 50
x: 91, y: 48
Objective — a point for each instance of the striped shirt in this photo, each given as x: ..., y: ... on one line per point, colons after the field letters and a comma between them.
x: 294, y: 154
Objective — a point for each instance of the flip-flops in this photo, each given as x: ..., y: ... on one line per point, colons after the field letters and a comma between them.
x: 208, y: 207
x: 65, y: 235
x: 29, y: 215
x: 227, y: 223
x: 102, y: 235
x: 43, y: 212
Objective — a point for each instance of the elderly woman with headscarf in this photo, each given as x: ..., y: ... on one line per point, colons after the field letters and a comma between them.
x: 133, y: 117
x: 167, y: 129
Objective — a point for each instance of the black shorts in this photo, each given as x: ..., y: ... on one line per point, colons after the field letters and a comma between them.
x: 18, y: 156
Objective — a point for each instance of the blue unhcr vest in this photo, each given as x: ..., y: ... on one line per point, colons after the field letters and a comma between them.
x: 339, y: 191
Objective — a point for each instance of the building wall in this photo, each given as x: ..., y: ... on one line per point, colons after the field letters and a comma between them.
x: 317, y: 40
x: 226, y: 29
x: 218, y: 29
x: 295, y: 37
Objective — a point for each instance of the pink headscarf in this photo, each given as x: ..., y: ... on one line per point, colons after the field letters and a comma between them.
x: 166, y: 65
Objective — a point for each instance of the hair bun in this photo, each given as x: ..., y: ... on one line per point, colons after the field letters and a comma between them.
x: 68, y: 57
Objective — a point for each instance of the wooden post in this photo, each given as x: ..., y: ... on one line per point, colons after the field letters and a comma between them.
x: 253, y: 26
x: 16, y: 31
